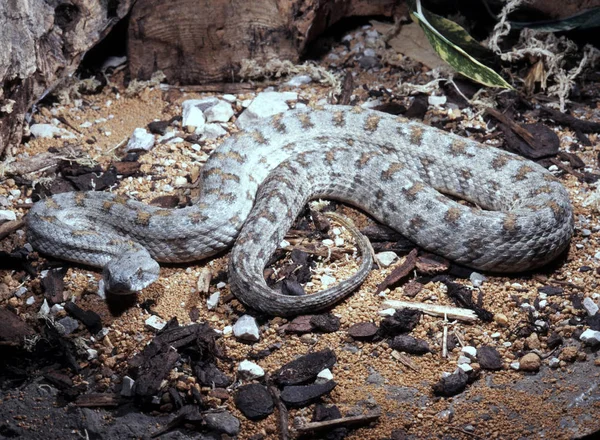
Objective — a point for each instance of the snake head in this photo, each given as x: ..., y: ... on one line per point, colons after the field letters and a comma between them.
x: 130, y: 272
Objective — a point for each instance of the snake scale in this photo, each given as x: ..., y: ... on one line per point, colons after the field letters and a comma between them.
x: 404, y: 174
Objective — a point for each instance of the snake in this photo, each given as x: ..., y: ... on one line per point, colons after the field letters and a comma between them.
x: 471, y: 203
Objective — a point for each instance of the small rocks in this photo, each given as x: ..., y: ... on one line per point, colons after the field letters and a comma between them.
x: 590, y: 306
x: 409, y: 344
x: 49, y: 131
x: 193, y: 115
x: 213, y: 131
x: 402, y: 321
x: 554, y: 362
x: 568, y: 354
x: 305, y: 368
x: 213, y: 300
x: 222, y: 421
x: 254, y: 401
x: 386, y: 258
x: 530, y: 362
x: 299, y: 80
x: 264, y: 105
x: 436, y: 100
x: 127, y: 386
x: 470, y: 351
x: 489, y: 358
x: 249, y: 370
x: 7, y: 216
x: 363, y: 331
x: 326, y: 323
x: 140, y: 140
x: 452, y: 384
x: 246, y: 329
x: 155, y: 323
x: 324, y: 376
x: 477, y: 279
x: 300, y: 324
x: 220, y: 112
x: 158, y: 127
x: 302, y: 395
x: 590, y: 337
x: 68, y: 324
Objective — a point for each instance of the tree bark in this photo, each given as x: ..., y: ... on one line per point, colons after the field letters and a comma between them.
x: 197, y: 42
x: 43, y: 42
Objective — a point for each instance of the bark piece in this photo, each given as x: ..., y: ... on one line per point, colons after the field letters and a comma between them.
x: 305, y: 368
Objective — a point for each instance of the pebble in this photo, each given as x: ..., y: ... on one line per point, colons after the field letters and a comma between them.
x: 554, y: 362
x: 515, y: 365
x: 324, y: 375
x: 213, y: 300
x: 202, y: 104
x: 386, y: 258
x: 127, y: 386
x: 44, y: 309
x: 249, y: 370
x: 222, y: 421
x: 213, y: 131
x: 193, y: 116
x: 229, y: 98
x: 29, y: 301
x: 501, y: 319
x: 590, y: 337
x: 246, y: 329
x: 463, y: 360
x: 489, y: 358
x: 590, y: 306
x: 327, y: 280
x: 299, y: 80
x: 328, y: 242
x: 20, y: 291
x: 436, y: 100
x: 477, y: 279
x: 69, y: 325
x: 265, y: 104
x: 466, y: 368
x: 56, y: 308
x: 254, y: 401
x: 220, y: 112
x: 305, y: 368
x: 7, y: 216
x: 49, y: 131
x: 140, y: 140
x: 338, y: 241
x: 180, y: 181
x: 301, y: 395
x: 155, y: 323
x: 469, y: 351
x: 530, y: 362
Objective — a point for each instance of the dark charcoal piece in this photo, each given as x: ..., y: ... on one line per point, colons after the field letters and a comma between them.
x: 489, y: 358
x: 403, y: 321
x: 327, y: 323
x: 551, y: 290
x: 157, y: 362
x: 300, y: 324
x: 554, y: 340
x: 223, y: 421
x: 363, y: 331
x: 410, y: 345
x: 89, y: 318
x: 13, y: 330
x: 305, y: 368
x: 254, y: 401
x: 323, y: 413
x: 593, y: 322
x: 209, y: 375
x: 53, y: 285
x: 451, y: 385
x: 302, y: 395
x: 418, y: 108
x: 158, y: 127
x: 292, y: 288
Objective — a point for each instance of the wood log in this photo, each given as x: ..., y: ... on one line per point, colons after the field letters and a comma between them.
x: 204, y: 42
x: 42, y: 43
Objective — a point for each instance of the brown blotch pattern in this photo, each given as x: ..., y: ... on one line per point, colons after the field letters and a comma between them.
x: 357, y: 110
x: 80, y: 199
x: 51, y: 203
x: 228, y: 197
x: 509, y: 224
x: 401, y: 120
x: 499, y: 162
x: 305, y: 121
x: 452, y: 215
x: 365, y: 157
x: 106, y: 205
x: 322, y: 139
x: 259, y: 137
x: 349, y: 141
x: 416, y: 134
x: 121, y: 200
x: 277, y: 123
x: 412, y: 192
x: 544, y: 189
x: 48, y: 218
x: 392, y: 169
x: 466, y: 174
x: 162, y: 213
x: 266, y: 214
x: 416, y: 223
x: 379, y: 194
x: 196, y: 217
x: 339, y: 119
x: 459, y: 148
x: 143, y: 218
x: 550, y: 178
x: 82, y: 232
x: 330, y: 157
x: 557, y: 210
x: 372, y: 123
x: 426, y: 161
x: 289, y: 147
x: 523, y: 172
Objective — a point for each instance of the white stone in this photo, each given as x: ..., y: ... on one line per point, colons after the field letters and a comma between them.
x: 227, y: 329
x: 554, y: 362
x: 221, y: 285
x: 213, y: 300
x: 155, y: 323
x: 328, y: 242
x: 324, y: 375
x: 220, y: 112
x: 229, y: 98
x: 469, y: 351
x: 436, y: 100
x: 44, y: 309
x: 336, y: 231
x: 249, y: 370
x: 265, y: 104
x: 515, y: 365
x: 495, y: 335
x: 49, y: 131
x: 299, y: 80
x: 193, y: 117
x: 56, y: 308
x: 140, y: 140
x: 542, y: 304
x: 92, y: 354
x: 463, y: 360
x: 590, y: 337
x: 68, y: 324
x: 29, y: 301
x: 213, y: 131
x: 338, y: 241
x: 386, y: 258
x: 590, y: 306
x: 20, y: 291
x: 127, y: 386
x: 387, y: 312
x: 7, y: 216
x: 477, y: 279
x: 327, y: 280
x: 180, y: 181
x: 246, y: 328
x: 466, y: 368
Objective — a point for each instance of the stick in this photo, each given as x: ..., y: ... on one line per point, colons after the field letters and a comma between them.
x: 434, y: 310
x: 338, y: 423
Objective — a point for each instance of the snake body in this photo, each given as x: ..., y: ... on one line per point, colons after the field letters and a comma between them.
x: 257, y: 181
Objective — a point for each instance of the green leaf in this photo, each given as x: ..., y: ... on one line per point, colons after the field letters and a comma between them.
x: 451, y: 53
x: 590, y: 18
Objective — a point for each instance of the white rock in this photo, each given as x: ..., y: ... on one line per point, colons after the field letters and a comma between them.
x: 466, y: 368
x: 213, y: 131
x: 49, y: 131
x: 477, y: 279
x: 590, y: 337
x: 155, y: 323
x: 469, y: 351
x: 463, y: 360
x: 92, y: 354
x: 387, y: 312
x: 515, y: 365
x: 140, y: 140
x: 20, y: 291
x: 338, y: 241
x: 327, y: 280
x: 56, y: 308
x: 590, y: 306
x: 229, y: 98
x: 554, y: 362
x: 7, y: 216
x: 328, y: 242
x: 299, y: 80
x: 436, y: 100
x: 324, y: 376
x: 68, y: 324
x: 221, y: 285
x: 29, y: 301
x: 227, y: 329
x: 127, y: 386
x: 264, y: 105
x: 495, y: 335
x: 246, y: 328
x: 220, y: 112
x: 101, y: 289
x: 249, y: 370
x: 193, y: 117
x: 180, y: 181
x: 44, y: 309
x: 386, y: 258
x: 336, y: 231
x: 213, y: 300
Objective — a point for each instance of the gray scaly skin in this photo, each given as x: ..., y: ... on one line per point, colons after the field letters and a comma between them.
x: 395, y: 170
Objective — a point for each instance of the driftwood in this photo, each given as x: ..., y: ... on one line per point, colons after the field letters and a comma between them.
x: 434, y: 309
